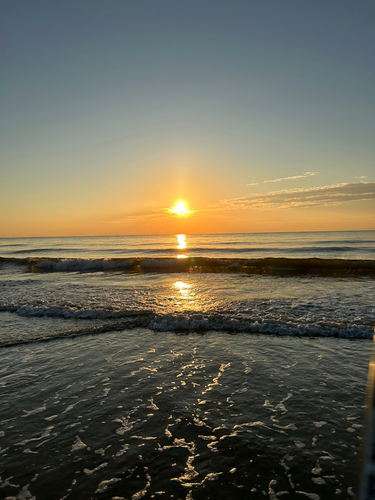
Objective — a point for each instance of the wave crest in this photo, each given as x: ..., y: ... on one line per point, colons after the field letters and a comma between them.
x: 266, y: 266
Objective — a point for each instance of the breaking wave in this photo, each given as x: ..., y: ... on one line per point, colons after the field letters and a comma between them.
x: 233, y: 322
x: 267, y: 265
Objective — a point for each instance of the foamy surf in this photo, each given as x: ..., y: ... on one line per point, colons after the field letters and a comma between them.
x: 196, y: 304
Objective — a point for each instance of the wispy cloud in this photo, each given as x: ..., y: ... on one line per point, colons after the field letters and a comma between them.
x: 303, y: 198
x: 306, y: 174
x: 155, y: 216
x: 365, y: 178
x: 151, y: 216
x: 335, y: 194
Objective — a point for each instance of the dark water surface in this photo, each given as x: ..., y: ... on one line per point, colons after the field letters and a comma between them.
x: 138, y: 414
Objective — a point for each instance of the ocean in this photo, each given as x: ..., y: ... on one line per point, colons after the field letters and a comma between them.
x: 185, y: 366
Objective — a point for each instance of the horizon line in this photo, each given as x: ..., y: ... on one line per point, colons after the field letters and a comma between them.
x: 190, y: 234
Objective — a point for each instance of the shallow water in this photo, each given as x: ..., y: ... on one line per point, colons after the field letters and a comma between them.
x: 35, y: 306
x: 138, y: 414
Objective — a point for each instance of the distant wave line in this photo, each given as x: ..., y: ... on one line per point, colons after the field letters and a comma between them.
x: 53, y: 249
x: 205, y: 250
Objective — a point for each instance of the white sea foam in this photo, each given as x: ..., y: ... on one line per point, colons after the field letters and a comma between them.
x: 142, y: 493
x: 78, y: 445
x: 104, y: 485
x: 208, y: 323
x: 272, y: 322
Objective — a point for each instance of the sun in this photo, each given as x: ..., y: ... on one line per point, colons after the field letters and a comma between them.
x: 180, y: 210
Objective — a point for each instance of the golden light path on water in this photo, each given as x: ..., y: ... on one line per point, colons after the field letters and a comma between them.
x: 181, y: 240
x: 185, y: 294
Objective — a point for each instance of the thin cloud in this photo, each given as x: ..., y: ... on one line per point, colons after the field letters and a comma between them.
x: 302, y: 198
x: 306, y: 174
x: 153, y: 215
x: 365, y: 178
x: 335, y: 194
x: 157, y: 215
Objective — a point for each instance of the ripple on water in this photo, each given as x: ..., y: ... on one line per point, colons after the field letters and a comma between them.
x: 155, y: 436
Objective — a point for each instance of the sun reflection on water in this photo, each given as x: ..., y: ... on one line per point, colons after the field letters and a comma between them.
x: 185, y: 294
x: 181, y: 242
x: 182, y: 286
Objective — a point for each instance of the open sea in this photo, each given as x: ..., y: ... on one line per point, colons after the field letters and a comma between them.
x: 230, y: 366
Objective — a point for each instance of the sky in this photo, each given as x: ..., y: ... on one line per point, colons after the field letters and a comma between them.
x: 258, y: 114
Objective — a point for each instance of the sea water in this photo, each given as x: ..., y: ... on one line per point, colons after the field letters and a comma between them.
x: 207, y: 366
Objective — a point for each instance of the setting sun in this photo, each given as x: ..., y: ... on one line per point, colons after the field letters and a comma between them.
x: 180, y: 210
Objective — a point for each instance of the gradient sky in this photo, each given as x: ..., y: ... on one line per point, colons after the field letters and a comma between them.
x: 259, y: 114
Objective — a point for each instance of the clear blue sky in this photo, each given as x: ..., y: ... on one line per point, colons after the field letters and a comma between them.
x: 111, y: 111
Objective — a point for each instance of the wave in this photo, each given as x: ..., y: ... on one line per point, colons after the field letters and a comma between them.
x: 221, y: 247
x: 266, y: 266
x: 187, y: 323
x: 216, y: 322
x: 32, y: 311
x: 69, y: 265
x: 285, y: 250
x: 54, y: 249
x: 11, y: 245
x: 350, y: 242
x: 330, y: 249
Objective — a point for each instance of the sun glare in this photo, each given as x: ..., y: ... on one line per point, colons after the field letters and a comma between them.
x: 181, y: 241
x: 180, y: 210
